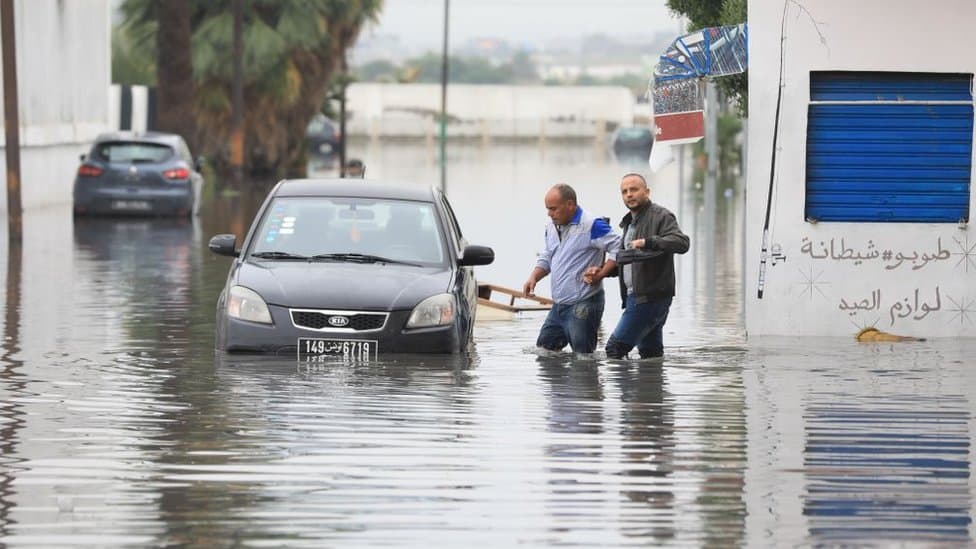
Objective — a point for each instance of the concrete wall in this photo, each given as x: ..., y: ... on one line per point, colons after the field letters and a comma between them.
x: 63, y: 77
x: 411, y: 110
x: 805, y: 294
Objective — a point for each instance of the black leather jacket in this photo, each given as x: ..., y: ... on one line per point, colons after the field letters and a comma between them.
x: 653, y: 265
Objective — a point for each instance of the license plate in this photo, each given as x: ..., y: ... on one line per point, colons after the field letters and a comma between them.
x: 135, y: 205
x: 355, y: 349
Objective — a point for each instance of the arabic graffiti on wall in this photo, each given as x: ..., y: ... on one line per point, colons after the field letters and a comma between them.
x: 893, y: 303
x: 834, y: 250
x: 910, y: 306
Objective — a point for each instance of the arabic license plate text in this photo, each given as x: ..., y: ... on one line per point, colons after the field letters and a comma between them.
x: 135, y: 205
x: 355, y: 349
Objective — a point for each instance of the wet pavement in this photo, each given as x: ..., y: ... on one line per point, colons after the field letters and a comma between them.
x: 120, y: 426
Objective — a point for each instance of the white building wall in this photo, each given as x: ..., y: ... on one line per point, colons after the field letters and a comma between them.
x: 932, y: 295
x: 63, y: 77
x: 411, y: 110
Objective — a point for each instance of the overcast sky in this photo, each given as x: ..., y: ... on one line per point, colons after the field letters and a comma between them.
x: 531, y: 22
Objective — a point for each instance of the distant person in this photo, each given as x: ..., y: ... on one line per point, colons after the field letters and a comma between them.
x: 575, y: 242
x: 646, y: 269
x: 355, y: 169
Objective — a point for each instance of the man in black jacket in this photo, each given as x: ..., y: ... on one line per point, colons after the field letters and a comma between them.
x: 646, y: 271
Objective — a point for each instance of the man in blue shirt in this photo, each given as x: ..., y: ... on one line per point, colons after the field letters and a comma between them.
x: 575, y: 241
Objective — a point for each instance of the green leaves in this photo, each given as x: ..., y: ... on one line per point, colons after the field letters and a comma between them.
x: 292, y: 50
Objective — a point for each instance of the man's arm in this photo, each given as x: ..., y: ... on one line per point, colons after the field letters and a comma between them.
x: 604, y: 238
x: 668, y: 239
x: 593, y: 275
x: 541, y: 269
x: 537, y: 274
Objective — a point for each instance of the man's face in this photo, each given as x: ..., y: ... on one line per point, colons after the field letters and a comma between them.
x: 634, y: 192
x: 560, y: 211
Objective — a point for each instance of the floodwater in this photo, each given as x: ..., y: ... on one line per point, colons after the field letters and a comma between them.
x: 120, y: 426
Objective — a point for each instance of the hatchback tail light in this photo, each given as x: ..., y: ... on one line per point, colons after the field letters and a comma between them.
x: 87, y: 170
x: 177, y: 173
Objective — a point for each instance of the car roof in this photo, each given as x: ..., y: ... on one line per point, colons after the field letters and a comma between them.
x: 162, y: 138
x: 354, y: 188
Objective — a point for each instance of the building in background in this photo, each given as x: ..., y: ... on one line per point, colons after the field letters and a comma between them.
x: 871, y: 200
x: 488, y: 111
x: 63, y: 77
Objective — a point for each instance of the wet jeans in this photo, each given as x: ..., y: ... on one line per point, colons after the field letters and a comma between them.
x: 575, y: 324
x: 641, y: 326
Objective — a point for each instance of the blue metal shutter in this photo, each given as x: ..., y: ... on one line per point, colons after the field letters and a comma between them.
x: 889, y: 147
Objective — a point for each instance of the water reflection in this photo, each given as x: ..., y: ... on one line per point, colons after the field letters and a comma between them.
x: 910, y: 453
x: 12, y: 389
x: 121, y: 426
x: 349, y: 448
x: 647, y: 427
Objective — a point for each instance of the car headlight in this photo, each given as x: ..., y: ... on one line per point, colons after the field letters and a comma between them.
x: 436, y: 310
x: 246, y: 304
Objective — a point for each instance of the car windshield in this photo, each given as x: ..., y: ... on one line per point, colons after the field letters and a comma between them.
x: 120, y: 151
x: 329, y: 229
x: 319, y: 124
x: 634, y: 133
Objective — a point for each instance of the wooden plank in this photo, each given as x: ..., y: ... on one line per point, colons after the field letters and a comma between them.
x: 485, y: 292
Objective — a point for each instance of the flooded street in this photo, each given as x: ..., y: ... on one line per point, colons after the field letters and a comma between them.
x: 120, y: 426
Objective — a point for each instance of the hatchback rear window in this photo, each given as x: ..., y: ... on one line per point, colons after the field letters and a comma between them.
x: 133, y: 152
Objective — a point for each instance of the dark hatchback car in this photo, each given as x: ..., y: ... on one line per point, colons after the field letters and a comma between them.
x: 322, y: 135
x: 349, y: 268
x: 632, y: 142
x: 128, y: 173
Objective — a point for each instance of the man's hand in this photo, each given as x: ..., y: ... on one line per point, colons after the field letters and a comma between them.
x: 592, y: 275
x: 529, y: 287
x: 638, y: 244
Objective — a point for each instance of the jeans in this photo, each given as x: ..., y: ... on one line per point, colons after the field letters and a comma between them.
x: 575, y: 323
x: 641, y: 326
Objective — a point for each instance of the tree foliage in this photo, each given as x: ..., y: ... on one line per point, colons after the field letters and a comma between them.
x: 292, y: 51
x: 714, y: 13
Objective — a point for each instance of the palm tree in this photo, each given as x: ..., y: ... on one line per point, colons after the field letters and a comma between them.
x: 292, y: 50
x: 174, y: 72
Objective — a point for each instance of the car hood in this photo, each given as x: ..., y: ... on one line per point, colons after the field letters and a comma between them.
x: 332, y: 285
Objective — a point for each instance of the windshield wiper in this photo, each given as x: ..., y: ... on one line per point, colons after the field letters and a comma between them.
x: 363, y: 258
x: 278, y: 255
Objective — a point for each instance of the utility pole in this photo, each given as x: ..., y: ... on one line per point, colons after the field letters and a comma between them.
x: 11, y: 122
x: 343, y: 82
x: 237, y: 85
x: 711, y: 176
x: 447, y: 9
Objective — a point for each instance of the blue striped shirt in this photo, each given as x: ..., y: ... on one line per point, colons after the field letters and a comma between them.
x: 584, y: 242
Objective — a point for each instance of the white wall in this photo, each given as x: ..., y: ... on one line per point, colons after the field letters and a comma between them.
x: 493, y: 110
x: 63, y: 76
x: 806, y: 295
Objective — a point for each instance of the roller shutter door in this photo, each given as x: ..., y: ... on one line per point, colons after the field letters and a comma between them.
x: 889, y: 147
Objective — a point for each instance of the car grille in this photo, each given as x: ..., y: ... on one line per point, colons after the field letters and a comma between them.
x: 341, y: 321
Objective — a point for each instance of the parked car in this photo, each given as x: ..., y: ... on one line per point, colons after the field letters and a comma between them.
x: 632, y: 142
x: 128, y: 173
x: 348, y: 268
x: 322, y: 135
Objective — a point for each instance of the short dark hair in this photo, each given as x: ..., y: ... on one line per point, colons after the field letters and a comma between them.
x: 635, y: 174
x: 565, y: 192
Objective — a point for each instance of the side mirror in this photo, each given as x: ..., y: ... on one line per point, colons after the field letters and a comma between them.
x: 224, y: 244
x: 82, y: 157
x: 198, y: 163
x: 476, y: 255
